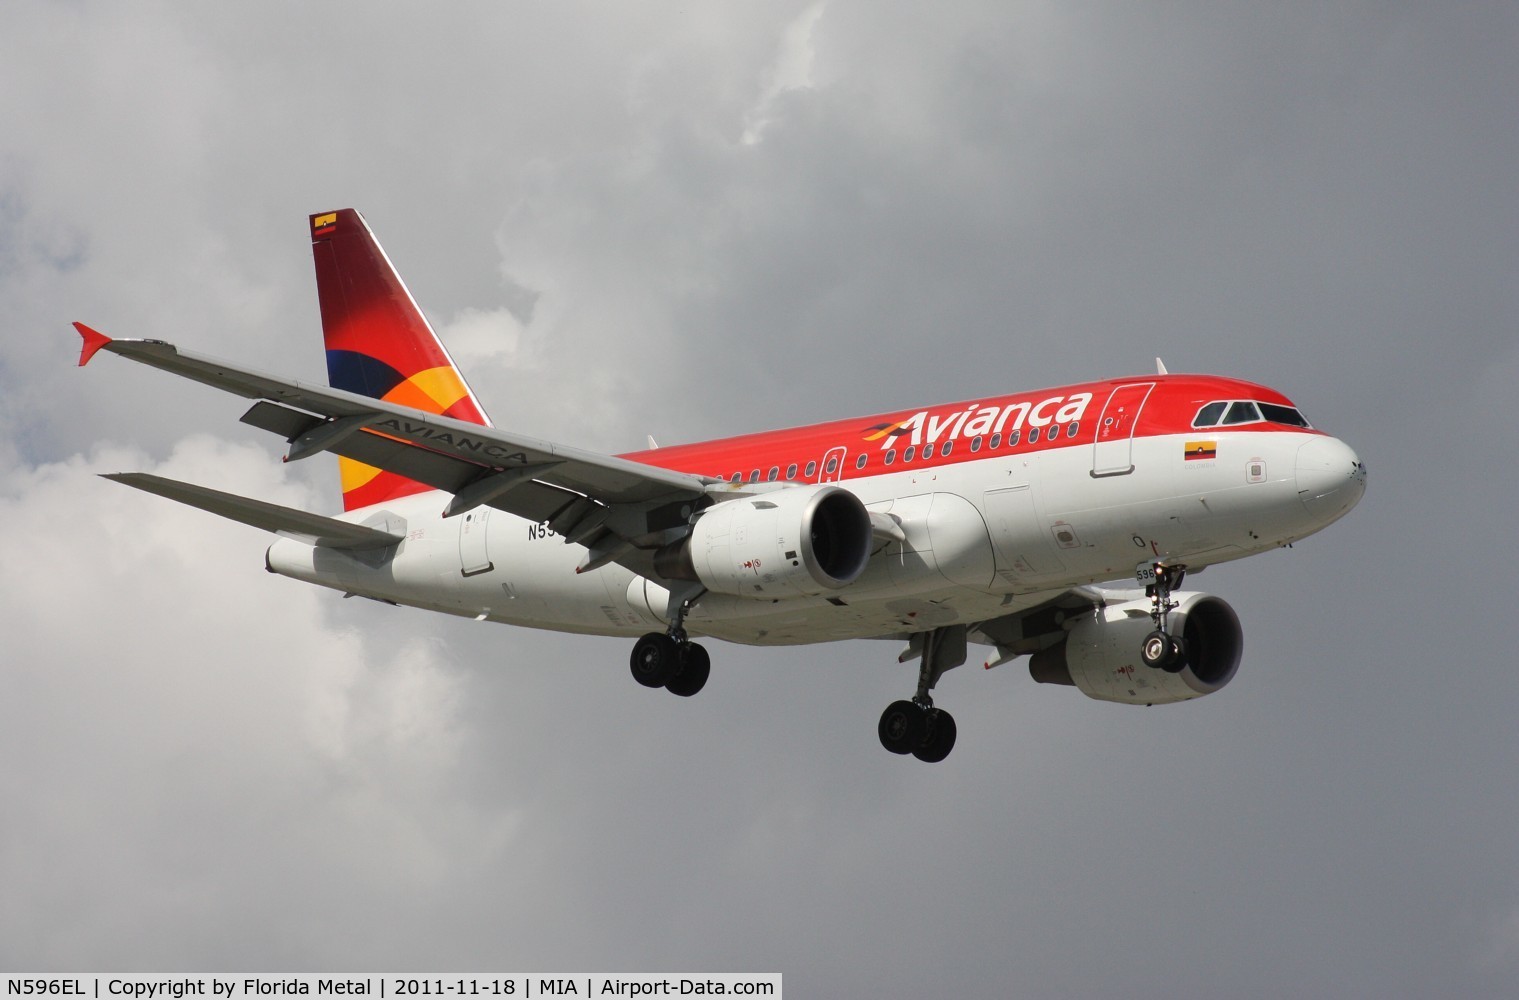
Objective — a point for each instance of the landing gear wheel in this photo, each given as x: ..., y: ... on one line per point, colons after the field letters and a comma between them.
x: 902, y: 728
x: 1157, y: 650
x: 691, y: 674
x: 656, y: 658
x: 1176, y: 660
x: 940, y: 739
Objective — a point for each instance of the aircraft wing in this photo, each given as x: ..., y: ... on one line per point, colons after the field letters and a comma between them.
x: 615, y: 507
x: 1038, y: 620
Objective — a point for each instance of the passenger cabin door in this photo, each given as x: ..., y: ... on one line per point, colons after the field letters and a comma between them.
x: 1113, y: 449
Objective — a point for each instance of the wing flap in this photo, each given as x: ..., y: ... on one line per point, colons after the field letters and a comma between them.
x: 531, y: 499
x: 313, y: 529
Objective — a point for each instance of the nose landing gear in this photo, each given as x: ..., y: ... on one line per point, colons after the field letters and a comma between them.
x: 1162, y: 650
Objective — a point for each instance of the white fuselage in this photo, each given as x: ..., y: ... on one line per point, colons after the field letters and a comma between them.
x: 983, y: 538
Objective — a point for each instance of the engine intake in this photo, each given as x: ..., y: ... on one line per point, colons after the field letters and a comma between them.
x: 795, y: 542
x: 1101, y: 654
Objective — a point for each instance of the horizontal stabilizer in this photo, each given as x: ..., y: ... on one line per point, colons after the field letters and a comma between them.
x: 313, y: 529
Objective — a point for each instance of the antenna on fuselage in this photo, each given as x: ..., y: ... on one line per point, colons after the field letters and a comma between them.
x: 1160, y: 367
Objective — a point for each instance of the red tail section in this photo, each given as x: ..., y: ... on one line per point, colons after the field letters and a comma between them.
x: 379, y: 344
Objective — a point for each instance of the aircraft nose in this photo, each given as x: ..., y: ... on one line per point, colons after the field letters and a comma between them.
x: 1330, y: 478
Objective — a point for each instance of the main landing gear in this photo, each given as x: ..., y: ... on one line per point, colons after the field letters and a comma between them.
x: 671, y: 660
x: 1161, y: 649
x: 916, y: 726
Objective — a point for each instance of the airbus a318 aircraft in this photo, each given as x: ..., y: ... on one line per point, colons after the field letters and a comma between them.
x: 990, y: 521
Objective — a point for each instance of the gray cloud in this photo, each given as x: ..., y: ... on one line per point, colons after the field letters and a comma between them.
x: 701, y: 221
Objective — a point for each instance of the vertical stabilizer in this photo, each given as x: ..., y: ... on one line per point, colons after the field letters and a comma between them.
x: 379, y: 344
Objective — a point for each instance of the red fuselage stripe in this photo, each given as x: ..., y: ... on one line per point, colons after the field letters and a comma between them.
x: 1034, y: 421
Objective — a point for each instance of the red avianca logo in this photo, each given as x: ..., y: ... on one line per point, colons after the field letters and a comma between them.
x: 976, y: 420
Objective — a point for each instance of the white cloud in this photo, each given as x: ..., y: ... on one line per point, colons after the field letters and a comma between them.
x: 480, y: 337
x: 792, y: 70
x: 184, y: 728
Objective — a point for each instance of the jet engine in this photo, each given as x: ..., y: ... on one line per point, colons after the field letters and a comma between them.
x: 1100, y: 654
x: 795, y: 542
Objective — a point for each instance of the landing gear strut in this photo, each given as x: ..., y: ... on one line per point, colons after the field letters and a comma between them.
x: 916, y: 726
x: 670, y: 659
x: 1161, y: 649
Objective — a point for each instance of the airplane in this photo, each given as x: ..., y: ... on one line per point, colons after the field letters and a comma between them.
x: 1056, y: 524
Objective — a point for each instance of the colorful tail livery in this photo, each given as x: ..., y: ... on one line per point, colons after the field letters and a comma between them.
x: 379, y: 344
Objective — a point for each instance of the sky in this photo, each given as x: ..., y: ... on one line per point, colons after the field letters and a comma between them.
x: 691, y: 220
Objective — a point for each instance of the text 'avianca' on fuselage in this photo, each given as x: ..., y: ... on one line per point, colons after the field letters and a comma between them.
x: 990, y: 521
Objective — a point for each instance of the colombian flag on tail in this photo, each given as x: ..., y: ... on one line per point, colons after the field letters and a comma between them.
x: 379, y: 344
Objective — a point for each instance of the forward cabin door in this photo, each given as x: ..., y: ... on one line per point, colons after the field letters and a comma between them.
x: 1113, y: 449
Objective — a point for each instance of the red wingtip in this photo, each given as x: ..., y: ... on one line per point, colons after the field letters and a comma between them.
x: 94, y: 340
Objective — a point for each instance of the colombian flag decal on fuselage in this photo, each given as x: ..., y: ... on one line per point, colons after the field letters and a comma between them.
x: 1201, y: 450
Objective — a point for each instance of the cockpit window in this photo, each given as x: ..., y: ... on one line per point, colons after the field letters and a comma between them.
x: 1283, y: 415
x: 1243, y: 412
x: 1209, y: 415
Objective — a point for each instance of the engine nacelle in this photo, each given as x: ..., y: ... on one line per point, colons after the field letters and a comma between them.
x: 796, y: 542
x: 1101, y: 654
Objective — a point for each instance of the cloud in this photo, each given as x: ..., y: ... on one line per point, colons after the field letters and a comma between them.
x: 207, y: 766
x: 792, y: 70
x: 179, y: 746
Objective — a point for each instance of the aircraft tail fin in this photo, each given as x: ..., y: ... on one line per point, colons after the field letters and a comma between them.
x: 379, y: 344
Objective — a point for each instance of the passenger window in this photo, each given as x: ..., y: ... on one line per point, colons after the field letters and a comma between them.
x: 928, y: 451
x: 996, y: 442
x: 975, y: 444
x: 859, y: 463
x: 812, y: 469
x: 737, y: 476
x: 754, y: 476
x: 1073, y: 429
x: 1242, y: 413
x: 791, y: 471
x: 1012, y: 439
x: 1033, y: 435
x: 949, y: 446
x: 891, y: 455
x: 907, y: 455
x: 775, y: 473
x: 833, y: 466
